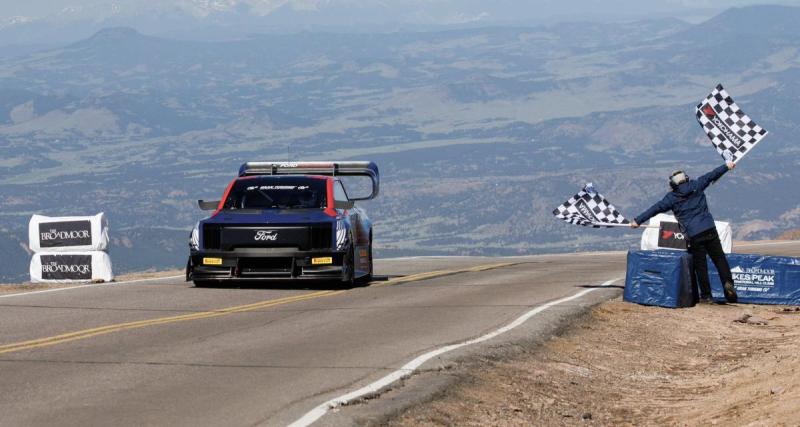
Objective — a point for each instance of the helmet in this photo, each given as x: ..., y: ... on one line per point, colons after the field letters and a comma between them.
x: 677, y: 178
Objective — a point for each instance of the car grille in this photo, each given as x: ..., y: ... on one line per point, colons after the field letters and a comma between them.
x: 211, y: 236
x: 265, y: 267
x: 320, y: 236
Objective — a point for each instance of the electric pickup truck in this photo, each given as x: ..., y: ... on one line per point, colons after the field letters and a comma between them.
x: 285, y: 221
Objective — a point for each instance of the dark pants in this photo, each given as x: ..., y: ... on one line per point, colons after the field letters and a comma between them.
x: 707, y: 243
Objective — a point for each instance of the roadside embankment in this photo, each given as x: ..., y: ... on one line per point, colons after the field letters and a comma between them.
x: 634, y: 365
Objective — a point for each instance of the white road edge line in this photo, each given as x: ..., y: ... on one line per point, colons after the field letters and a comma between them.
x: 93, y: 285
x: 409, y: 368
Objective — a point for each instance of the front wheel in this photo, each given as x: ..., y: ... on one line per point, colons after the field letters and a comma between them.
x: 349, y: 279
x: 363, y: 281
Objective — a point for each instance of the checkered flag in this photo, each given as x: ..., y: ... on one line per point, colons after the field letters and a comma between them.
x: 731, y: 131
x: 590, y: 208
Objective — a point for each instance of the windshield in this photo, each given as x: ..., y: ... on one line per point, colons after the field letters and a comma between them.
x: 275, y: 192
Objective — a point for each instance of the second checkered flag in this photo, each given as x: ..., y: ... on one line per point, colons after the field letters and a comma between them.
x: 590, y: 208
x: 731, y: 131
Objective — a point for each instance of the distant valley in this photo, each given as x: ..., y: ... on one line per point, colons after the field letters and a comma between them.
x: 479, y: 132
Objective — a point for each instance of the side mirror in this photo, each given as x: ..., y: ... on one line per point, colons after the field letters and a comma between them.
x: 344, y: 205
x: 208, y: 205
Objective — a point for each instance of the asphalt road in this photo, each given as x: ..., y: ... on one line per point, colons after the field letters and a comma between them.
x: 161, y: 352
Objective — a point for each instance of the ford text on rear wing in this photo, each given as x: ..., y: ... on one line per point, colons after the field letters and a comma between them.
x: 352, y: 168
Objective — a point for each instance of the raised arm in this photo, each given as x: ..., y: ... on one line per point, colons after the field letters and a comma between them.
x: 704, y: 181
x: 662, y: 206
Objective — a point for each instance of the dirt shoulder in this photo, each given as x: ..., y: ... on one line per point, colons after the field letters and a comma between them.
x: 635, y: 365
x: 13, y: 288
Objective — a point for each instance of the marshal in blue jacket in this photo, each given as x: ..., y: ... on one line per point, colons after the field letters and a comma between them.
x: 688, y: 203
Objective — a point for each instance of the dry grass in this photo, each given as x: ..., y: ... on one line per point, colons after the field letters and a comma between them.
x: 789, y: 235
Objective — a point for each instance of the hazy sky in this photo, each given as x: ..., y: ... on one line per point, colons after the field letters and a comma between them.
x: 49, y: 22
x: 43, y: 8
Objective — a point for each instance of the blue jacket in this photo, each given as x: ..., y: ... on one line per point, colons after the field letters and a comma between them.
x: 688, y: 203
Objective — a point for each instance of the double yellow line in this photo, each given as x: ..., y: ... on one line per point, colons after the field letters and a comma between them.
x: 103, y: 330
x: 441, y: 273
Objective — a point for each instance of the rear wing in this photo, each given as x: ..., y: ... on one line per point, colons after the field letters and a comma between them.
x: 368, y: 169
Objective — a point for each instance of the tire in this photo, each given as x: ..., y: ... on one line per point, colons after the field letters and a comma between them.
x: 363, y: 281
x: 349, y: 280
x: 189, y: 268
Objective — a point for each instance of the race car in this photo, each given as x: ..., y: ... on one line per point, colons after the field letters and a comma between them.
x: 285, y: 221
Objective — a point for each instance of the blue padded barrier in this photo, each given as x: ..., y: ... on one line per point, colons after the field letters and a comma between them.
x: 760, y: 279
x: 660, y: 277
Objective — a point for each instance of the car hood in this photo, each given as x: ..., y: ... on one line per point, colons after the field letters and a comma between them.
x: 270, y: 216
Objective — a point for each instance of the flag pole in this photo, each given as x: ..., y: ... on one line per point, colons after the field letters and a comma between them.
x: 606, y: 224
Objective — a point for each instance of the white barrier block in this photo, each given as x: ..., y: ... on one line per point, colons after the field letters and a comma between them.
x: 669, y: 236
x: 68, y: 234
x: 60, y: 267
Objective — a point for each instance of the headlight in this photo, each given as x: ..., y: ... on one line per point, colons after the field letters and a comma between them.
x: 194, y: 238
x: 341, y: 235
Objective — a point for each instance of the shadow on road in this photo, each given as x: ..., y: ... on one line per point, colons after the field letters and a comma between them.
x: 598, y: 286
x: 311, y: 285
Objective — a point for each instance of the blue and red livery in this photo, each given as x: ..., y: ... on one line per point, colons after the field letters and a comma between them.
x: 285, y: 221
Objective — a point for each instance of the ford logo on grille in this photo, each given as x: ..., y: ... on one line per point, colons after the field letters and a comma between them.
x: 266, y: 235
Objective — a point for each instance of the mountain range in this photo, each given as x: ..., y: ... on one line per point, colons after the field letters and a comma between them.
x: 479, y: 132
x: 34, y: 23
